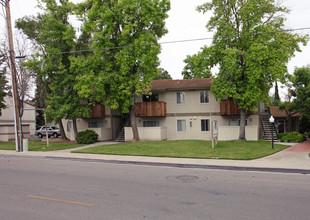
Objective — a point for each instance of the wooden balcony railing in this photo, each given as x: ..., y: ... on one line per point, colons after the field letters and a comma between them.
x: 97, y: 111
x: 229, y: 107
x: 150, y: 109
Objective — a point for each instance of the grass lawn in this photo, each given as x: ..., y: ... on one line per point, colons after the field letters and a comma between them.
x: 239, y: 150
x: 38, y: 145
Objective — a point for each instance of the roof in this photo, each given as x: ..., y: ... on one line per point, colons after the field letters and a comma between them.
x: 277, y: 113
x: 184, y: 84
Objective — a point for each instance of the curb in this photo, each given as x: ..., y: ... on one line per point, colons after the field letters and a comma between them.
x: 179, y: 165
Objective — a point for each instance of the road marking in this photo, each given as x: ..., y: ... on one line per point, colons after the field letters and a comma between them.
x: 60, y: 200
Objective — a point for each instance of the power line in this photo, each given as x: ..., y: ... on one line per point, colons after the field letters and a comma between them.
x: 177, y: 41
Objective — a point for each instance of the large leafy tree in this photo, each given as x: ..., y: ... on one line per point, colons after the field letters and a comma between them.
x: 196, y: 67
x: 54, y: 35
x: 251, y: 49
x: 301, y: 83
x: 125, y: 34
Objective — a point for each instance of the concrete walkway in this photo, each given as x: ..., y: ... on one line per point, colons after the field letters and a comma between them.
x: 294, y: 159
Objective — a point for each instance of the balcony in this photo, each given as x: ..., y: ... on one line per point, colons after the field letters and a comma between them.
x: 151, y: 109
x: 97, y: 111
x: 230, y: 108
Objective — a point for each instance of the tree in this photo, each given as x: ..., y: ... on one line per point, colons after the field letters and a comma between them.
x: 162, y: 74
x: 301, y: 83
x: 3, y: 81
x: 55, y: 36
x: 125, y: 36
x: 251, y: 49
x: 196, y: 66
x: 289, y: 108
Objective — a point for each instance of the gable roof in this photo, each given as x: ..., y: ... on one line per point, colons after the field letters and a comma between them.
x: 277, y: 113
x: 183, y: 84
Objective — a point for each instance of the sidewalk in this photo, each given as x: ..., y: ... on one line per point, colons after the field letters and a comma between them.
x: 292, y: 160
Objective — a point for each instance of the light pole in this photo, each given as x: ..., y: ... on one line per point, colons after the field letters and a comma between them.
x: 271, y: 120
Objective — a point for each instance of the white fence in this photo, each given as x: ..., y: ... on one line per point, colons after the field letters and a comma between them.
x: 147, y: 133
x: 226, y: 133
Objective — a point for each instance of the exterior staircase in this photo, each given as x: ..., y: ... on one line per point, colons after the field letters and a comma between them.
x: 121, y: 133
x: 266, y: 128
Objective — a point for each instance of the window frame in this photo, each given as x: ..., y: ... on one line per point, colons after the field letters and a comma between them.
x: 205, y: 94
x: 179, y: 95
x: 156, y: 123
x: 182, y: 125
x: 206, y: 126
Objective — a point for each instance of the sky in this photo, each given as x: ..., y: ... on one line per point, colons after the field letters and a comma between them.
x: 186, y: 23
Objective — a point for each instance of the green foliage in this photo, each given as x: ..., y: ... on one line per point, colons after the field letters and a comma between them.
x: 87, y: 137
x: 196, y: 66
x: 250, y: 48
x: 53, y: 34
x: 162, y: 74
x: 128, y: 64
x: 292, y: 137
x: 304, y: 125
x: 301, y: 82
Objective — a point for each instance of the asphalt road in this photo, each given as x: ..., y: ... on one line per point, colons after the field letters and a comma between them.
x: 43, y: 189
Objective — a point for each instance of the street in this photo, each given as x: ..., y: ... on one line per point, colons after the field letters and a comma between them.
x: 39, y: 188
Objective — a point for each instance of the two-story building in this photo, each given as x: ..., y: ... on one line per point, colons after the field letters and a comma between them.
x: 186, y: 109
x: 176, y: 110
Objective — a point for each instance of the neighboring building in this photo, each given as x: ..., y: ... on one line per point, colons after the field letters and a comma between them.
x: 7, y: 129
x: 185, y: 109
x: 281, y: 120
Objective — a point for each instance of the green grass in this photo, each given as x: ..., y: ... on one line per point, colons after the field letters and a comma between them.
x: 239, y: 150
x: 37, y: 145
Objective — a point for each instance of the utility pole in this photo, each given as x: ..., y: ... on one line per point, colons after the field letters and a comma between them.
x: 11, y: 56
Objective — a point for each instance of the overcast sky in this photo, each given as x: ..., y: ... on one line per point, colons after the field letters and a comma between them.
x: 185, y: 23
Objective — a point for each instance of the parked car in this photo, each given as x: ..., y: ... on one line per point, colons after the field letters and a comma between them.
x: 51, y: 131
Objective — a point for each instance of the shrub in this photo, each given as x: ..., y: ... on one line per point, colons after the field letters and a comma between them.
x: 292, y: 137
x: 87, y: 137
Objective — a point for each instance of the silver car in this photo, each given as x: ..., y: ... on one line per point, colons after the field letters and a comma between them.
x: 51, y: 131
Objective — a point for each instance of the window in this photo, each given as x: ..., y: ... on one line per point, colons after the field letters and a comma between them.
x: 180, y: 97
x: 205, y: 125
x: 69, y: 126
x: 233, y: 122
x: 150, y: 98
x: 181, y: 124
x: 95, y: 124
x: 204, y: 97
x: 151, y: 124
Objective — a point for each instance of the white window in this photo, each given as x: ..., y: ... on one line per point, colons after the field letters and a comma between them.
x: 180, y: 97
x: 69, y: 126
x: 236, y: 122
x: 151, y: 124
x: 204, y: 97
x: 95, y: 124
x: 181, y: 125
x: 205, y: 125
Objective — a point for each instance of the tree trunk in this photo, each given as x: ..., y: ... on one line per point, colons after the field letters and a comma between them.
x: 133, y: 122
x: 62, y: 130
x: 75, y: 129
x: 289, y: 126
x: 242, y: 125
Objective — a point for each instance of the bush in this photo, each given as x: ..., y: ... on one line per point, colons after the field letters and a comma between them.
x: 292, y: 137
x: 87, y: 137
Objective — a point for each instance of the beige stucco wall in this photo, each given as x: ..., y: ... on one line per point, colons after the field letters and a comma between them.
x: 147, y: 134
x: 7, y: 132
x: 232, y: 133
x: 28, y: 118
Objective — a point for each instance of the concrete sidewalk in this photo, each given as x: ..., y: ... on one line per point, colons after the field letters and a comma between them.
x: 292, y: 160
